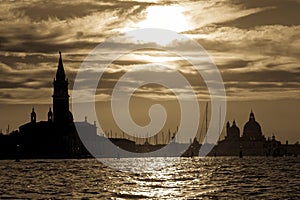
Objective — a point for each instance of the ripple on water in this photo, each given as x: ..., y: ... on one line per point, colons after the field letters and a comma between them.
x: 198, y: 178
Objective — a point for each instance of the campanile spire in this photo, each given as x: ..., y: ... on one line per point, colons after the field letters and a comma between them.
x: 60, y: 74
x: 60, y: 95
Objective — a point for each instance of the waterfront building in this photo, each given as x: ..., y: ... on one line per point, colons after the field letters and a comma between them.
x: 57, y: 137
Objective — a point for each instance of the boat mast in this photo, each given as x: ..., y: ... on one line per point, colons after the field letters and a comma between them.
x: 220, y: 131
x: 206, y: 122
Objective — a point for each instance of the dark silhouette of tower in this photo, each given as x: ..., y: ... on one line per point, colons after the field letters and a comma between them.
x: 60, y: 96
x: 33, y: 116
x: 50, y: 115
x: 232, y: 132
x: 227, y: 127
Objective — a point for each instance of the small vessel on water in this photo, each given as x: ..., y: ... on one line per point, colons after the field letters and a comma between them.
x: 241, y: 154
x: 241, y: 151
x: 18, y: 153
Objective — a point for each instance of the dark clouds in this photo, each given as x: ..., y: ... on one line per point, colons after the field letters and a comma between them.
x: 45, y: 26
x: 254, y: 43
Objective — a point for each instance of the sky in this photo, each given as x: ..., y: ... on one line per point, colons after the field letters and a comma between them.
x: 254, y: 43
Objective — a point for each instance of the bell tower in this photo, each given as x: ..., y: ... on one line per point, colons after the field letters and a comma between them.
x: 50, y: 115
x: 60, y: 95
x: 33, y: 116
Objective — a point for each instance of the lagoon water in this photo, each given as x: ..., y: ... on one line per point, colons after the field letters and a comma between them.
x: 181, y: 178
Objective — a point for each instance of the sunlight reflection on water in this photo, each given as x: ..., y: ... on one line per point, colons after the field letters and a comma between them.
x: 257, y: 177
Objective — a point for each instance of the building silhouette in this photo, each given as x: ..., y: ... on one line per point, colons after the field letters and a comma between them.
x: 61, y: 113
x: 233, y: 132
x: 55, y: 138
x: 252, y: 142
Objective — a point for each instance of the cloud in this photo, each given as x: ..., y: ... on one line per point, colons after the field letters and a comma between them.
x: 255, y: 44
x: 213, y: 12
x: 48, y: 26
x: 43, y: 10
x: 278, y: 12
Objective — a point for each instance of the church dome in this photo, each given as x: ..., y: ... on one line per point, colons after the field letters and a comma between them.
x: 252, y: 127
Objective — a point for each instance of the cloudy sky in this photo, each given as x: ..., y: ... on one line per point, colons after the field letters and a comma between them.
x: 255, y: 44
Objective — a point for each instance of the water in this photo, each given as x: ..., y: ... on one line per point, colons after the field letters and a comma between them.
x: 185, y: 178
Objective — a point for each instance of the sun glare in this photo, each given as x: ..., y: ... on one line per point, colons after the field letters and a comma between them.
x: 166, y: 17
x: 171, y: 18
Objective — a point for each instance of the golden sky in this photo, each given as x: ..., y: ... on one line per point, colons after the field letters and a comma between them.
x: 254, y: 43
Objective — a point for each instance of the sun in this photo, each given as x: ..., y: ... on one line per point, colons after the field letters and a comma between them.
x: 171, y: 17
x: 166, y: 17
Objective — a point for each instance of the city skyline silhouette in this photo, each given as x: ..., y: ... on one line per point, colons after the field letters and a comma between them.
x: 62, y: 137
x: 253, y: 46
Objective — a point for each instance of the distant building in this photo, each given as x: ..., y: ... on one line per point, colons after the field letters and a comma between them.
x: 233, y: 132
x: 251, y: 143
x: 230, y: 146
x: 61, y: 112
x: 55, y: 138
